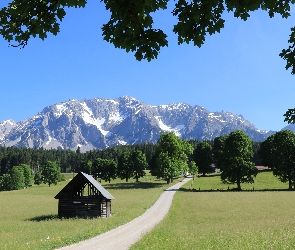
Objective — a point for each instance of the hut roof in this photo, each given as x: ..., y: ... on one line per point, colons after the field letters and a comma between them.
x: 78, y: 182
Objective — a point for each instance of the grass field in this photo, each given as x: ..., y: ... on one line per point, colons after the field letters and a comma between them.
x: 28, y: 218
x: 227, y: 220
x: 263, y: 181
x: 205, y: 219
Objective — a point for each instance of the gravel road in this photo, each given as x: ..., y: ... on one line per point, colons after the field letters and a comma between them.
x: 124, y: 236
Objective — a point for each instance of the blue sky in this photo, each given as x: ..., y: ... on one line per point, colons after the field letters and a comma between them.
x: 238, y: 70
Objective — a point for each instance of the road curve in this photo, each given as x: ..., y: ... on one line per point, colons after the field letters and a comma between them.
x: 123, y: 237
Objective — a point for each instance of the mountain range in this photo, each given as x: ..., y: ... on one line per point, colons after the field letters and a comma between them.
x: 100, y: 123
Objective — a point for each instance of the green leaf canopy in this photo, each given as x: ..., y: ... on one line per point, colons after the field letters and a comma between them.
x: 237, y: 165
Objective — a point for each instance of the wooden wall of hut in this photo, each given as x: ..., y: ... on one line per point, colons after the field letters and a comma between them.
x: 84, y: 206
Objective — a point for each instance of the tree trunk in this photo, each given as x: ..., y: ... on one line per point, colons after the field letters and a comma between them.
x: 290, y: 184
x: 168, y: 180
x: 239, y: 184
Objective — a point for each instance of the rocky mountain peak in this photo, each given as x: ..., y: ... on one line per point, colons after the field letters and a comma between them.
x: 101, y: 123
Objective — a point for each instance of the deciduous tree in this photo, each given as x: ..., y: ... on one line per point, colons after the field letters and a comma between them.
x: 28, y: 175
x: 131, y: 26
x: 16, y: 178
x: 290, y: 116
x: 86, y: 166
x: 5, y: 182
x: 217, y: 150
x: 168, y: 167
x: 97, y: 168
x: 125, y: 169
x: 51, y: 173
x: 109, y: 170
x: 283, y: 156
x: 265, y: 151
x: 192, y: 168
x: 203, y: 157
x: 37, y: 178
x: 237, y: 165
x: 138, y: 160
x: 13, y: 180
x: 104, y: 169
x: 171, y: 157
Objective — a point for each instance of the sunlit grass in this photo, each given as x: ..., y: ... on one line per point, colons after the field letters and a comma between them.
x: 28, y: 218
x: 263, y: 181
x: 197, y: 220
x: 227, y: 220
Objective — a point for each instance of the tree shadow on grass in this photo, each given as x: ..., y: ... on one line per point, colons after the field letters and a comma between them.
x: 234, y: 190
x: 207, y: 175
x: 134, y: 185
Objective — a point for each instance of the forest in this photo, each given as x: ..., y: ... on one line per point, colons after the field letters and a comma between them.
x: 21, y: 167
x: 70, y: 161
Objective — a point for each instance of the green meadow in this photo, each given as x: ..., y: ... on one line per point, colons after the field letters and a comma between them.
x: 213, y: 219
x: 28, y: 218
x: 204, y: 215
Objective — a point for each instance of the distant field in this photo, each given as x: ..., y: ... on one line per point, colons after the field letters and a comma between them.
x: 28, y: 218
x: 227, y: 220
x: 263, y: 181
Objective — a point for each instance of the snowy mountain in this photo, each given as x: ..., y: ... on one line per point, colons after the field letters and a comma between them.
x: 101, y: 123
x: 5, y: 128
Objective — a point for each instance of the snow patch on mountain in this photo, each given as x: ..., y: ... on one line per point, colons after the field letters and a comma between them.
x: 60, y: 108
x: 117, y: 117
x: 6, y: 127
x: 121, y: 142
x: 168, y: 128
x: 100, y: 123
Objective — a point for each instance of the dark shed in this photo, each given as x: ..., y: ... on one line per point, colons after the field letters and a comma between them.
x: 84, y: 196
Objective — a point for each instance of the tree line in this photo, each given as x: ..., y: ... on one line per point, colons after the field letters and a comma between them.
x: 68, y: 160
x: 234, y: 154
x: 22, y: 176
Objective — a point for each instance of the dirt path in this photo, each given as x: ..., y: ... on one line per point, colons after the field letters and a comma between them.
x: 126, y: 235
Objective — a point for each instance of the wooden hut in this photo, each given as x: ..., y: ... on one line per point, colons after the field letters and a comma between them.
x: 84, y: 196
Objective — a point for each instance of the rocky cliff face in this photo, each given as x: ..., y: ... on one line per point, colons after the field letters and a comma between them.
x: 5, y: 128
x: 101, y: 123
